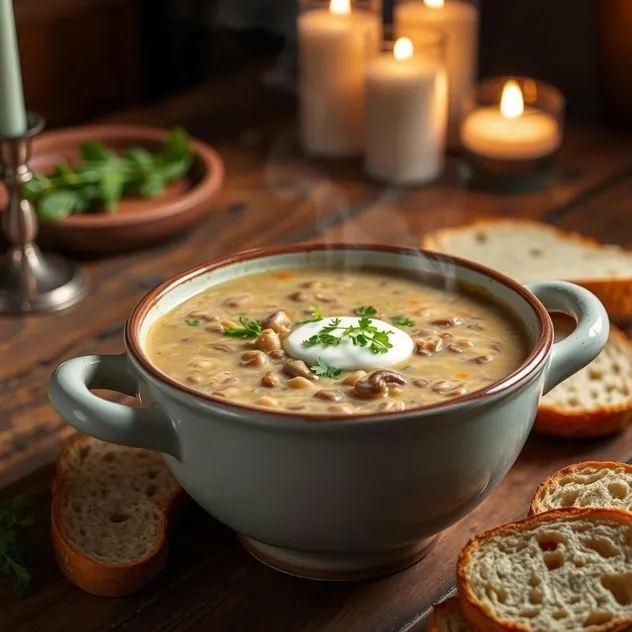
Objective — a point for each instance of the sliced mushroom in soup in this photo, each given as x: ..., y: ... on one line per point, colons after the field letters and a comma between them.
x: 388, y: 343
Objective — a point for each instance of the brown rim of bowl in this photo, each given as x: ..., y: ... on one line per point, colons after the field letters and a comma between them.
x: 208, y: 185
x: 533, y: 360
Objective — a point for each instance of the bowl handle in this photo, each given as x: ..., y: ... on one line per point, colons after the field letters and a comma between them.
x: 588, y: 339
x: 70, y: 396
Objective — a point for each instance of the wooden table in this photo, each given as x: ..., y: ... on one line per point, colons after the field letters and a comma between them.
x: 272, y: 196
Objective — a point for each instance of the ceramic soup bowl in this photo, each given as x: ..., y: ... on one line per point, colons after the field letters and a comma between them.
x: 345, y: 499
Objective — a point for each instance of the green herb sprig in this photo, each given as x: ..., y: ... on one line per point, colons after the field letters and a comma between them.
x: 366, y: 310
x: 364, y: 334
x: 403, y: 321
x: 192, y: 322
x: 316, y: 316
x: 102, y: 177
x: 248, y: 329
x: 11, y: 556
x: 322, y: 369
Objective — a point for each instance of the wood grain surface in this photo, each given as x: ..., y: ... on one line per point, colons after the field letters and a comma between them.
x: 272, y: 195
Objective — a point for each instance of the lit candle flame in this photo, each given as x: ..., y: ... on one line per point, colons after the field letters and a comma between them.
x: 340, y: 7
x: 435, y: 4
x: 511, y: 102
x: 403, y: 49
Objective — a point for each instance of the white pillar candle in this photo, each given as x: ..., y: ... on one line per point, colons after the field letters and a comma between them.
x: 511, y: 132
x: 334, y: 46
x: 458, y: 19
x: 406, y: 116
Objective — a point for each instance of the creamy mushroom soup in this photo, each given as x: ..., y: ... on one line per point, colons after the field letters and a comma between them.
x: 323, y: 342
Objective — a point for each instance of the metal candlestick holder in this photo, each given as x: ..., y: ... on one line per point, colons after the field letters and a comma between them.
x: 30, y: 281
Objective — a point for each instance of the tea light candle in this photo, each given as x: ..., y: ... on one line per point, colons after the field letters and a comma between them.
x: 12, y: 112
x: 406, y: 116
x: 334, y: 45
x: 458, y: 19
x: 511, y: 132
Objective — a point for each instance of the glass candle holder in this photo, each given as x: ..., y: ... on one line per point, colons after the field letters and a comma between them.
x: 335, y: 40
x: 511, y: 131
x: 406, y: 110
x: 459, y: 20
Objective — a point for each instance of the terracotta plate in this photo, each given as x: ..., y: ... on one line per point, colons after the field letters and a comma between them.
x: 137, y: 222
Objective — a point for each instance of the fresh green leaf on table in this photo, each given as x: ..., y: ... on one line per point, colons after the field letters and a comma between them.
x: 95, y: 151
x: 66, y: 174
x: 178, y: 143
x: 12, y: 521
x: 153, y: 186
x: 37, y: 185
x: 142, y: 159
x: 101, y: 178
x: 175, y: 168
x: 60, y: 204
x: 111, y: 183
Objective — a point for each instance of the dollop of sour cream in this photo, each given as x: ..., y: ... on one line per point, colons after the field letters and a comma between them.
x: 346, y: 355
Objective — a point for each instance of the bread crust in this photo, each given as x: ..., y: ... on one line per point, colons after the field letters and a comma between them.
x: 615, y: 294
x: 535, y: 507
x: 100, y: 578
x: 600, y: 423
x: 442, y: 612
x: 484, y: 621
x: 608, y: 419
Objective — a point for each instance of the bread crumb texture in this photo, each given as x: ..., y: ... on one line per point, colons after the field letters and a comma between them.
x: 588, y: 486
x: 560, y: 574
x: 606, y: 382
x: 530, y: 251
x: 112, y: 506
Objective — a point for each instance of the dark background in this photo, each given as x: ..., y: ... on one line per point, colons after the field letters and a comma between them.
x: 87, y: 58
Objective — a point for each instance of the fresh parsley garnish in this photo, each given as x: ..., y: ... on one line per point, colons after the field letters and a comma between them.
x: 366, y: 310
x: 324, y: 336
x: 102, y: 177
x: 364, y: 334
x: 192, y: 322
x: 324, y: 370
x: 403, y: 321
x: 248, y: 329
x: 316, y: 316
x: 11, y: 557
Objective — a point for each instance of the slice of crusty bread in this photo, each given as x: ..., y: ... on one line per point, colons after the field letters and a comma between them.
x: 533, y: 251
x: 597, y: 400
x: 606, y: 484
x: 447, y: 617
x: 111, y: 513
x: 565, y: 570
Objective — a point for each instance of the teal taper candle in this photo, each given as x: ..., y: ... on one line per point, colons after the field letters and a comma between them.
x: 12, y: 112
